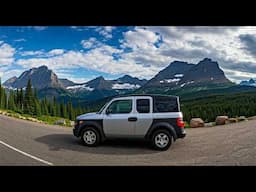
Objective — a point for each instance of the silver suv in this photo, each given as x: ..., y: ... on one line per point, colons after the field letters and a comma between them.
x: 155, y: 118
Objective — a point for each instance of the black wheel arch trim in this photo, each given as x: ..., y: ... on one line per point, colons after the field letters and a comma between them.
x: 157, y: 126
x: 94, y: 124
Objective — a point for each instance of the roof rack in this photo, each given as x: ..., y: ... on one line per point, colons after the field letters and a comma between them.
x: 151, y: 95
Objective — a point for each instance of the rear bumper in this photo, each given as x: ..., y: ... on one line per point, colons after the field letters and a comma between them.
x: 182, y: 134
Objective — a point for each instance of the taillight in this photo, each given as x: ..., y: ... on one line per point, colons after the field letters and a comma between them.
x: 180, y: 122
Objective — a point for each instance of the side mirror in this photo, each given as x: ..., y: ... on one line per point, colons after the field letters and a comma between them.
x: 108, y: 111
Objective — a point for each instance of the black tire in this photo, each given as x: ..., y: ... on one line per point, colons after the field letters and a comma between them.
x: 167, y: 140
x: 95, y: 137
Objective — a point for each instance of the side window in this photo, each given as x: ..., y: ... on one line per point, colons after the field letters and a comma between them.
x: 165, y: 105
x: 142, y: 105
x: 120, y: 106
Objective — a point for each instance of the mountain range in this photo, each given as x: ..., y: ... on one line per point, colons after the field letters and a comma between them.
x: 180, y: 74
x: 250, y: 82
x: 178, y: 78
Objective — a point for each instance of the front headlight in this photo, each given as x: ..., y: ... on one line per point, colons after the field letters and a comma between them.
x: 79, y: 122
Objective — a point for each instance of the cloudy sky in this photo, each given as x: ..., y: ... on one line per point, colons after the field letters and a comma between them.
x: 83, y: 53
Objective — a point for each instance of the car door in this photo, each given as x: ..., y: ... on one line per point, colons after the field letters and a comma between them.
x: 117, y: 121
x: 143, y: 111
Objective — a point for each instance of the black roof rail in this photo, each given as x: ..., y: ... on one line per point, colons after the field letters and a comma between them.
x: 151, y: 95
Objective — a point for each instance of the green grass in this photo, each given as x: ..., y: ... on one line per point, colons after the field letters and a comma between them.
x: 187, y: 124
x: 51, y: 120
x: 42, y: 119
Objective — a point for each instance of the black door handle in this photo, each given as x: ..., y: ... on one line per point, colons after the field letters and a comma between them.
x: 132, y: 119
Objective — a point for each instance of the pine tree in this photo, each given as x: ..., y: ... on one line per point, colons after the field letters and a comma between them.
x: 11, y: 102
x: 2, y: 96
x: 21, y: 99
x: 37, y: 111
x: 44, y: 107
x: 54, y: 106
x: 1, y: 93
x: 29, y: 104
x: 70, y: 111
x: 16, y: 97
x: 63, y: 110
x: 3, y: 99
x: 57, y: 109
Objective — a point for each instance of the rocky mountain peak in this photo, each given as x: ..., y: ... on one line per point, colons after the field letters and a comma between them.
x: 10, y: 81
x: 206, y: 71
x: 41, y: 77
x: 251, y: 81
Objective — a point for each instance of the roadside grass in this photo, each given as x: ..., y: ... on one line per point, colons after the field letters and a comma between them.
x: 186, y: 125
x: 51, y: 120
x: 41, y: 119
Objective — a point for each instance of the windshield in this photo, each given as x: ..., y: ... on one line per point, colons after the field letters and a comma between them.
x: 100, y: 111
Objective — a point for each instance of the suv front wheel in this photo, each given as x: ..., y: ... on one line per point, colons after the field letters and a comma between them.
x: 90, y: 137
x: 161, y: 140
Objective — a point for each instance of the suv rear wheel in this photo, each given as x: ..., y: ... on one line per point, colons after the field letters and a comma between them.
x: 161, y: 140
x: 90, y: 137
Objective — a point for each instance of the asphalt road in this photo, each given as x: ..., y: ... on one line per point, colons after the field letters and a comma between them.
x: 28, y: 143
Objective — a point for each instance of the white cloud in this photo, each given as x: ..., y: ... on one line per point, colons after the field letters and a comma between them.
x: 20, y: 40
x: 144, y: 50
x: 106, y: 34
x: 90, y: 43
x: 105, y: 31
x: 40, y: 28
x: 42, y: 53
x: 7, y: 73
x: 109, y: 28
x: 140, y: 39
x: 99, y: 59
x: 238, y: 76
x: 55, y: 52
x: 32, y: 53
x: 82, y: 28
x: 6, y: 54
x: 74, y: 79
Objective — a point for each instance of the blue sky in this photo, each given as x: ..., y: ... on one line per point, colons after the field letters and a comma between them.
x: 81, y: 53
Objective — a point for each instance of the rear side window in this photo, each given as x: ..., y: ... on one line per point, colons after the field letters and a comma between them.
x: 165, y: 104
x: 143, y: 106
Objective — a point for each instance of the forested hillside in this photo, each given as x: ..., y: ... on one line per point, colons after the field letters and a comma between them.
x: 232, y: 105
x: 27, y: 102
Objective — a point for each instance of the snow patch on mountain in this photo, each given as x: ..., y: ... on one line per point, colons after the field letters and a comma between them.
x: 125, y: 86
x: 187, y: 83
x: 178, y: 75
x: 80, y: 87
x: 170, y: 80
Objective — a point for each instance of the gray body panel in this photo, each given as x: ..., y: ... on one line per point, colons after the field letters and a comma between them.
x: 143, y: 124
x: 118, y: 124
x: 144, y: 119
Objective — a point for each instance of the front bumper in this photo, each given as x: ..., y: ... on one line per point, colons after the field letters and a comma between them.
x: 76, y: 132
